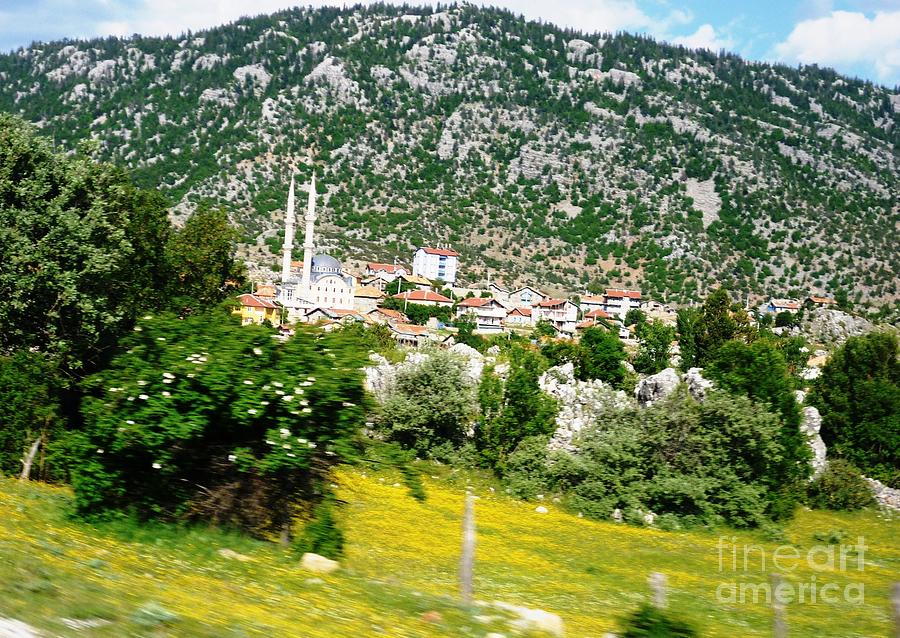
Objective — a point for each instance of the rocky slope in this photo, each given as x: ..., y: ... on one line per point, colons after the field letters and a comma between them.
x: 575, y: 160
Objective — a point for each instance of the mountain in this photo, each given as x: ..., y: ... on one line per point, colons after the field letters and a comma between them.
x: 570, y: 160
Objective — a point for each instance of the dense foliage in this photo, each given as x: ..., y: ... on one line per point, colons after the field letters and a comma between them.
x: 203, y: 418
x: 689, y: 463
x: 840, y: 486
x: 858, y: 395
x: 82, y: 250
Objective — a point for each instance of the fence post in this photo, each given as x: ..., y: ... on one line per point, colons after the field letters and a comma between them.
x: 467, y: 559
x: 895, y: 608
x: 658, y: 589
x: 779, y: 621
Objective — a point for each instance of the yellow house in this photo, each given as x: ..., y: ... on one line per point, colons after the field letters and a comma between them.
x: 256, y: 309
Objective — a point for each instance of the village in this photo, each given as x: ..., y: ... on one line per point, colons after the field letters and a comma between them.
x: 319, y: 290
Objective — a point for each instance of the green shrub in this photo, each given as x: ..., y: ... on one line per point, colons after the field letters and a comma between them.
x: 431, y: 403
x: 650, y: 622
x: 858, y: 395
x: 322, y: 535
x: 201, y: 418
x: 527, y: 469
x: 840, y: 486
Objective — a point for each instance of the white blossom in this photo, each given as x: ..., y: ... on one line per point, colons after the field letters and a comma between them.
x: 137, y: 328
x: 99, y: 450
x: 156, y: 466
x: 160, y: 338
x: 148, y: 317
x: 311, y: 445
x: 278, y: 384
x: 268, y: 442
x: 129, y: 422
x: 167, y: 380
x: 291, y: 454
x: 143, y: 397
x: 251, y: 411
x: 285, y: 433
x: 168, y: 375
x: 286, y: 446
x: 232, y: 457
x: 307, y: 410
x: 248, y: 382
x: 257, y: 351
x: 264, y: 403
x: 348, y: 404
x: 166, y: 393
x: 142, y: 382
x: 287, y: 397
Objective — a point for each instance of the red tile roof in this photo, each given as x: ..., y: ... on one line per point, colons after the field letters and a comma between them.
x: 592, y: 299
x: 616, y: 292
x: 446, y: 252
x: 525, y: 312
x: 822, y: 300
x: 475, y: 302
x: 423, y: 295
x: 597, y: 314
x: 389, y: 268
x: 550, y: 303
x: 253, y: 301
x: 390, y: 313
x: 587, y: 323
x: 409, y: 328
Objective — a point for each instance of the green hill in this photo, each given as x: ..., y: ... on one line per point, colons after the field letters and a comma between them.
x: 548, y: 156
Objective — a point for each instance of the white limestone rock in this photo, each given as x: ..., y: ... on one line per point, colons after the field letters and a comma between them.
x: 256, y: 72
x: 533, y: 620
x: 697, y: 385
x: 833, y: 326
x: 318, y: 564
x: 10, y: 628
x: 810, y: 425
x: 656, y: 387
x: 884, y: 495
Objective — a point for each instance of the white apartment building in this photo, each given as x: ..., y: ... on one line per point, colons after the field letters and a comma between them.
x: 436, y: 263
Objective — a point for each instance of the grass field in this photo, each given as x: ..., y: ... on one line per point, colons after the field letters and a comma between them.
x: 401, y: 564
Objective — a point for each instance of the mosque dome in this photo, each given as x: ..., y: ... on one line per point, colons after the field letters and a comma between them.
x: 324, y: 265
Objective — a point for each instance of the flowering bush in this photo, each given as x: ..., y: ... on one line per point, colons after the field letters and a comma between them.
x: 203, y: 418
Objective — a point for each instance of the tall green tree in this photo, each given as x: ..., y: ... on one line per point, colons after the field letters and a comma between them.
x: 655, y: 339
x: 201, y: 256
x: 601, y: 357
x: 82, y: 250
x: 858, y: 395
x: 715, y: 325
x: 686, y: 329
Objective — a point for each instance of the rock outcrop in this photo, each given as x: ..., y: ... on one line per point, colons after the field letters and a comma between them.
x: 697, y: 385
x: 581, y: 403
x: 318, y: 564
x: 810, y: 426
x: 657, y: 387
x: 884, y: 495
x: 833, y: 326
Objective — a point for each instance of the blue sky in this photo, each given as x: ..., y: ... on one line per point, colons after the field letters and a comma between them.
x: 857, y: 37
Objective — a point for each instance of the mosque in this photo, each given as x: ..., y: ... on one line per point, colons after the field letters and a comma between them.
x: 322, y: 282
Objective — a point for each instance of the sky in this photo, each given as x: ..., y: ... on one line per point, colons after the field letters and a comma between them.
x: 857, y: 37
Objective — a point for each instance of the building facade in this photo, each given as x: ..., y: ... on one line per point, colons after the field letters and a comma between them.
x: 436, y: 263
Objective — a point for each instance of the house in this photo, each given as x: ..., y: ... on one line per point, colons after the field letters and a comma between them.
x: 366, y: 298
x: 424, y: 297
x: 591, y: 302
x: 499, y: 293
x: 598, y: 313
x: 520, y: 317
x: 266, y: 291
x: 256, y: 309
x: 436, y: 263
x: 562, y: 313
x: 487, y: 313
x: 820, y: 302
x: 526, y: 297
x: 782, y: 305
x: 385, y: 272
x: 617, y: 301
x: 421, y: 283
x: 408, y: 334
x: 386, y: 315
x: 332, y: 315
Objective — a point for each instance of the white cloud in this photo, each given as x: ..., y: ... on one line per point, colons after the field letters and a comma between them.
x: 846, y: 39
x: 705, y: 37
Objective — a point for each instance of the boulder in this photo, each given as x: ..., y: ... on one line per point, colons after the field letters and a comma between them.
x: 884, y: 495
x: 535, y: 620
x: 474, y: 360
x: 10, y: 628
x: 656, y: 387
x: 697, y: 385
x: 540, y: 509
x: 824, y: 325
x: 233, y: 555
x: 318, y: 564
x: 810, y: 425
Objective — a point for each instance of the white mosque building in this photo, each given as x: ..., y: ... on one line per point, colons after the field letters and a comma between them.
x: 322, y: 282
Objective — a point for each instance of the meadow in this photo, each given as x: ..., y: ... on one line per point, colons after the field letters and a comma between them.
x: 70, y: 578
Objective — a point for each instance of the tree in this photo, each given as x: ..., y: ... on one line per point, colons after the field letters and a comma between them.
x: 513, y: 410
x: 202, y: 260
x: 430, y: 404
x: 655, y: 339
x: 784, y: 319
x: 601, y: 357
x: 544, y: 328
x: 635, y: 317
x: 201, y: 418
x: 83, y: 251
x: 714, y: 326
x: 686, y: 328
x: 858, y: 395
x: 28, y: 411
x: 759, y: 372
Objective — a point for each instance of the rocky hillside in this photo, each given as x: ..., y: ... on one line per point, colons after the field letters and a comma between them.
x: 575, y: 160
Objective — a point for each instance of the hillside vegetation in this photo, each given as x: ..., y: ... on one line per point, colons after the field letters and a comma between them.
x: 573, y: 160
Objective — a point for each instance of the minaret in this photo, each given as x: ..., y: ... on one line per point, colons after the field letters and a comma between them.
x: 288, y: 235
x: 308, y: 243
